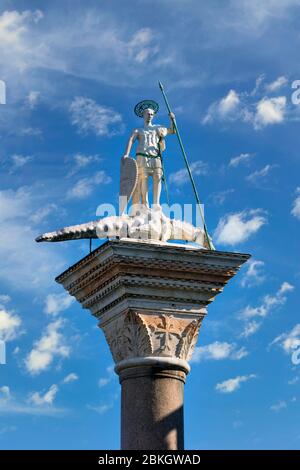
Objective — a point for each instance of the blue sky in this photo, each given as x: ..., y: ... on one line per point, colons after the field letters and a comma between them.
x: 74, y: 71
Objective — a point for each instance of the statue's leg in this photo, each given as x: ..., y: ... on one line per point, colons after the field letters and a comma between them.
x: 157, y: 180
x: 137, y: 193
x: 144, y: 189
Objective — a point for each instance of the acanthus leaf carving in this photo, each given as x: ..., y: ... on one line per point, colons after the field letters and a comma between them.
x: 127, y: 337
x: 137, y: 334
x: 188, y: 340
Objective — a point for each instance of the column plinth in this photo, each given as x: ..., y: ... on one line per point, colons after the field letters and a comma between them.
x: 150, y: 300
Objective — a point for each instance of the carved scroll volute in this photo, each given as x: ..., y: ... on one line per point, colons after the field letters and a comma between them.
x: 188, y: 340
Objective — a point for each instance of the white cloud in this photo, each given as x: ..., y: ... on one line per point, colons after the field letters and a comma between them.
x: 85, y: 186
x: 253, y: 276
x: 4, y: 298
x: 276, y: 84
x: 56, y: 303
x: 181, y: 176
x: 44, y: 399
x: 10, y: 405
x: 24, y: 264
x: 14, y: 204
x: 103, y: 381
x: 107, y: 43
x: 90, y: 117
x: 231, y: 385
x: 80, y: 161
x: 31, y: 131
x: 296, y: 205
x: 238, y: 227
x: 14, y: 37
x: 250, y: 328
x: 243, y: 107
x: 72, y: 377
x: 12, y: 25
x: 270, y: 111
x: 281, y: 405
x: 218, y: 351
x: 289, y: 341
x: 9, y: 325
x: 242, y: 158
x: 34, y: 269
x: 252, y: 18
x: 218, y: 198
x: 226, y: 108
x: 100, y: 409
x: 43, y: 212
x: 269, y: 303
x: 140, y: 45
x: 258, y: 82
x: 32, y: 99
x: 5, y: 392
x: 259, y: 174
x: 49, y: 346
x: 294, y: 380
x: 285, y: 287
x: 19, y: 161
x: 229, y: 103
x: 47, y: 398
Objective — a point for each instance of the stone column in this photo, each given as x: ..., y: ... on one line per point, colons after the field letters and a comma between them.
x: 152, y: 404
x: 150, y: 299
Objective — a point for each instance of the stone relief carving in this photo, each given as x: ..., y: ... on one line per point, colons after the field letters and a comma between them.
x: 127, y: 337
x: 139, y: 335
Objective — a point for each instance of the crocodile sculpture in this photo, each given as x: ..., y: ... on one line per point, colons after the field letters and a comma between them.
x: 146, y: 224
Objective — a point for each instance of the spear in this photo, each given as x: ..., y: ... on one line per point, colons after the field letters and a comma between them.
x: 187, y: 165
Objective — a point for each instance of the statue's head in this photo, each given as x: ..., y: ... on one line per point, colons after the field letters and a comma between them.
x: 146, y: 109
x: 148, y: 115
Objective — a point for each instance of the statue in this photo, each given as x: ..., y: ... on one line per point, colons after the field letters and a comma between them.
x: 144, y: 222
x: 151, y: 144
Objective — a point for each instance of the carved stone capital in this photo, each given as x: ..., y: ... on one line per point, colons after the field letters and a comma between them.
x: 134, y: 335
x: 150, y: 299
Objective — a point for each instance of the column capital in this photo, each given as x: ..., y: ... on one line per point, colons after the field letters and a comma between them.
x: 156, y: 337
x: 150, y: 298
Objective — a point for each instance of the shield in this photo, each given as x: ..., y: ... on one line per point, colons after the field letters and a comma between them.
x: 128, y: 181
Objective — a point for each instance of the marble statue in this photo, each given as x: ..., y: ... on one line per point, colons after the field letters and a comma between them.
x: 151, y: 144
x: 143, y: 222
